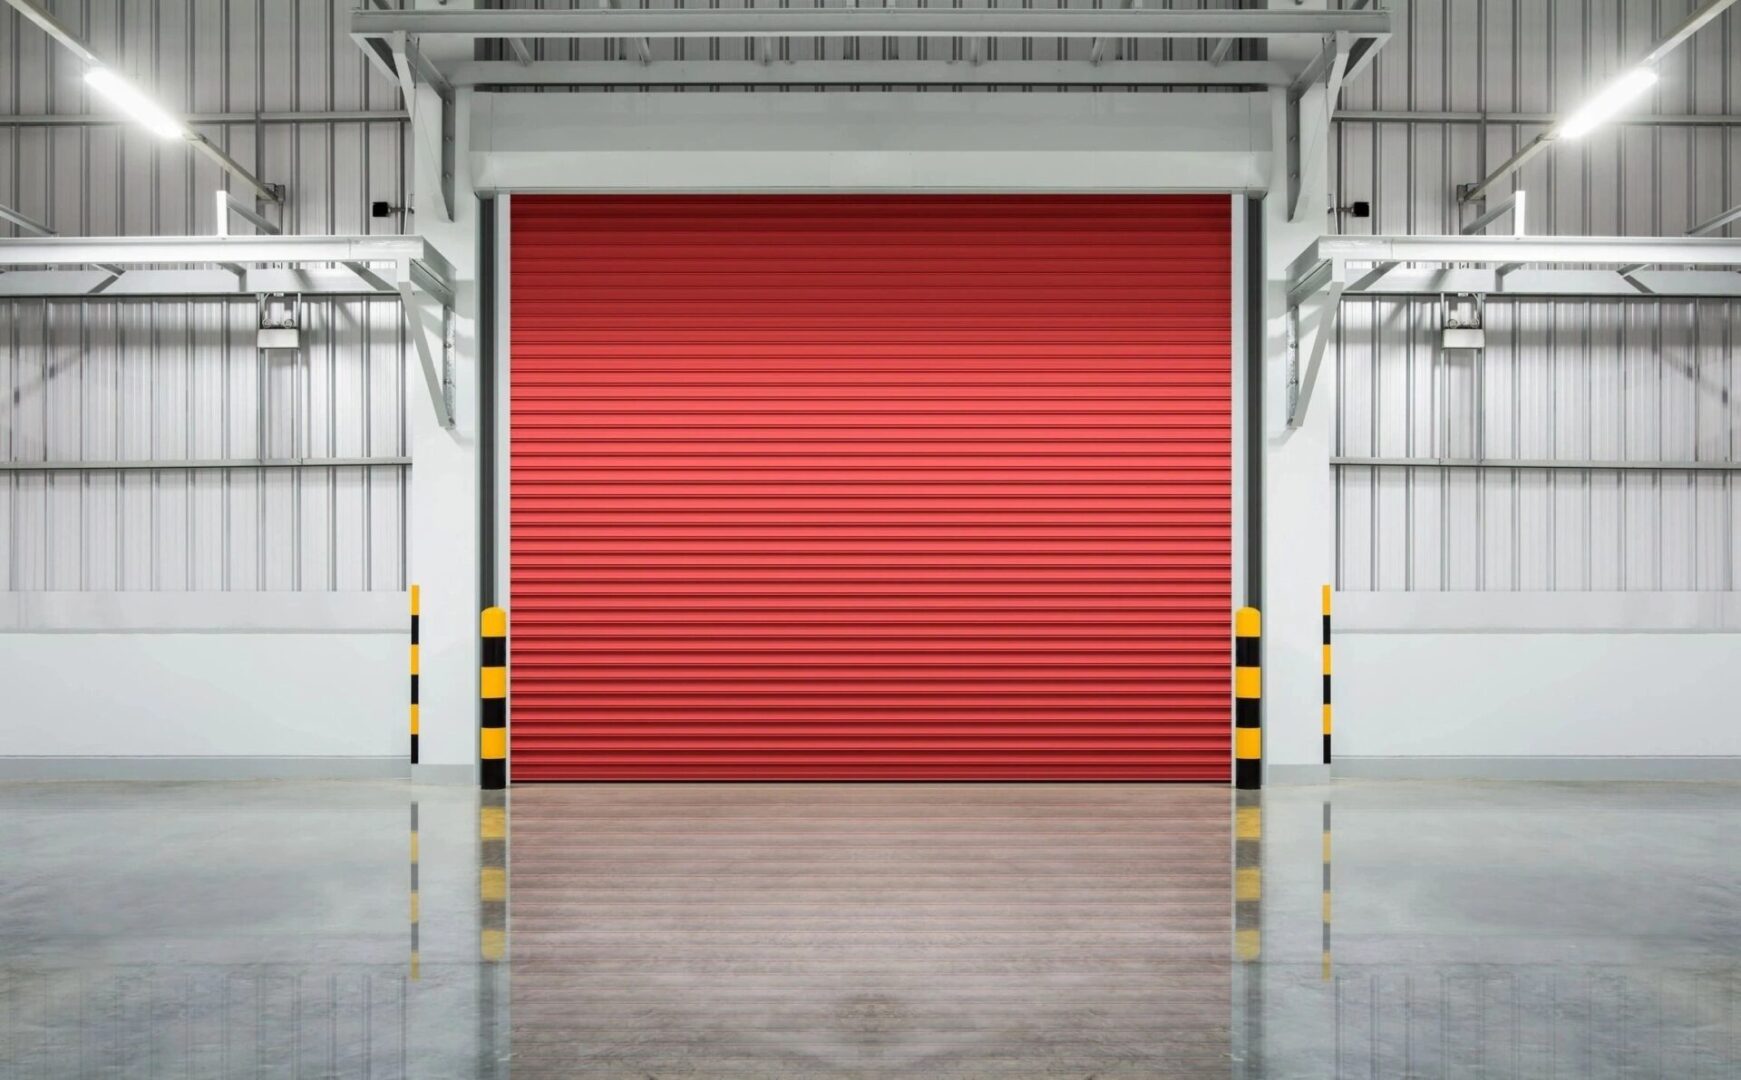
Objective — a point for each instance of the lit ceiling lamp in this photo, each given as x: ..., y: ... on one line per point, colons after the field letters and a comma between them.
x: 127, y: 97
x: 1609, y: 101
x: 1612, y: 98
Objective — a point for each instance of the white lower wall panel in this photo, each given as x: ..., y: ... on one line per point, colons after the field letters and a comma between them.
x: 1540, y: 695
x: 239, y: 695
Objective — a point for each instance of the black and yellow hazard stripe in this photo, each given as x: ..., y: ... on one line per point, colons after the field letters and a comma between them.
x: 492, y: 875
x: 1247, y: 877
x: 493, y: 689
x: 416, y: 902
x: 1326, y: 911
x: 416, y: 664
x: 1326, y: 674
x: 1247, y: 700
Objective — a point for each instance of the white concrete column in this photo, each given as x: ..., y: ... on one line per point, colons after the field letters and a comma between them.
x: 443, y: 537
x: 1299, y: 507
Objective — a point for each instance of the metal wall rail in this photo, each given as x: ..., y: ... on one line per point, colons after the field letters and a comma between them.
x: 1534, y: 463
x: 294, y: 117
x: 1625, y: 119
x: 208, y: 463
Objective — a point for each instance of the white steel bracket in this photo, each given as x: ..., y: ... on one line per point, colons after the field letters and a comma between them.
x: 1325, y: 282
x: 1334, y: 64
x: 398, y: 55
x: 420, y: 277
x: 433, y: 342
x: 1488, y: 266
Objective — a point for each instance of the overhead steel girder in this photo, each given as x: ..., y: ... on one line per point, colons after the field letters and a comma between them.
x: 1547, y: 250
x: 419, y: 276
x: 357, y: 280
x: 868, y: 73
x: 178, y: 250
x: 1336, y: 268
x: 848, y: 22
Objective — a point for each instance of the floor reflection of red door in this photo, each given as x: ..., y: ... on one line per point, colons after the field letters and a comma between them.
x: 858, y: 931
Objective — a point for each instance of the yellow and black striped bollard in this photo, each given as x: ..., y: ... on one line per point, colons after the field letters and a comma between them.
x: 492, y: 876
x: 1247, y: 878
x: 416, y: 665
x: 416, y: 902
x: 1326, y: 912
x: 1247, y: 700
x: 493, y: 688
x: 1326, y: 674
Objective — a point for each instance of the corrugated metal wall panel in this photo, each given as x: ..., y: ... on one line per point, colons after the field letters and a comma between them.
x: 1635, y: 380
x: 171, y: 378
x: 148, y: 380
x: 867, y: 487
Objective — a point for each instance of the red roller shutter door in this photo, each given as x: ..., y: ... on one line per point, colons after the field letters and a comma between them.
x: 871, y: 488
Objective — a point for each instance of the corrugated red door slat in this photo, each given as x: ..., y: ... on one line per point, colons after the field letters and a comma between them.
x: 871, y: 488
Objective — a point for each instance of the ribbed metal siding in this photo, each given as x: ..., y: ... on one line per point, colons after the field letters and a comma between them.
x: 173, y: 378
x: 931, y: 487
x: 142, y: 380
x: 1575, y: 381
x: 1638, y: 380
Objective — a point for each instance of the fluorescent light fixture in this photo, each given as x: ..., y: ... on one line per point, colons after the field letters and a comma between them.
x: 1611, y: 100
x: 126, y: 97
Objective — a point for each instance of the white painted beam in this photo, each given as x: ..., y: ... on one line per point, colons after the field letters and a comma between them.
x: 894, y: 22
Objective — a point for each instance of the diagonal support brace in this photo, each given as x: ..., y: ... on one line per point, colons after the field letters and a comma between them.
x: 1302, y: 382
x: 1306, y: 149
x: 436, y: 358
x: 410, y: 67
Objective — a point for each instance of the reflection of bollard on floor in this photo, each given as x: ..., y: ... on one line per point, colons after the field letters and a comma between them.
x: 1248, y: 926
x: 492, y: 876
x: 416, y: 902
x: 492, y: 927
x: 1248, y: 879
x: 1326, y: 911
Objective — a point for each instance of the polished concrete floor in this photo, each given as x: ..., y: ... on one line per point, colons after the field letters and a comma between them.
x: 682, y: 932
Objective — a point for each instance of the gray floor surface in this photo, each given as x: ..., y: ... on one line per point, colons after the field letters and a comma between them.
x: 680, y: 932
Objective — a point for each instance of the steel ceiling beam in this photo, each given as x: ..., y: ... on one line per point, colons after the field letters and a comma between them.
x: 867, y: 73
x: 852, y: 22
